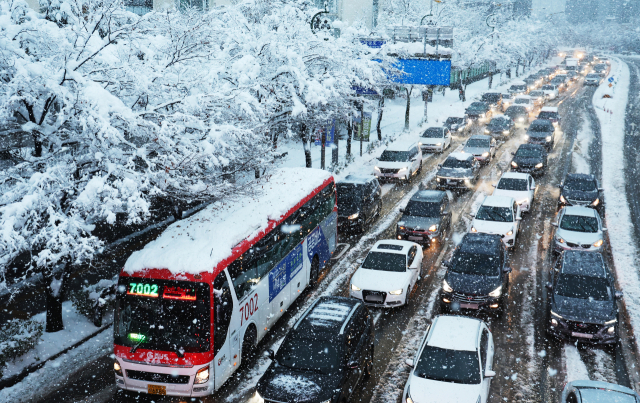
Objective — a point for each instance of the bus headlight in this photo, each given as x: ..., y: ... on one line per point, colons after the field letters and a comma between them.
x: 202, y: 376
x: 355, y: 287
x: 117, y: 368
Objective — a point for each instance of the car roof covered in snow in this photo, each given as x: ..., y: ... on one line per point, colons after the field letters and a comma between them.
x: 429, y: 195
x: 514, y: 175
x: 518, y: 83
x: 481, y: 243
x: 460, y: 156
x: 455, y: 333
x: 588, y: 177
x: 549, y: 109
x: 500, y: 116
x: 393, y: 246
x: 523, y: 97
x: 580, y: 210
x: 197, y: 244
x: 327, y: 316
x: 356, y: 179
x: 583, y: 263
x: 480, y: 137
x: 402, y: 145
x: 498, y: 201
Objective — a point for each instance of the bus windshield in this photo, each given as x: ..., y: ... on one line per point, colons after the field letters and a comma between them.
x: 162, y: 315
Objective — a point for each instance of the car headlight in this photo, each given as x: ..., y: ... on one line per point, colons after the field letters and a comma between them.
x: 376, y: 169
x: 505, y: 132
x: 520, y: 119
x: 595, y: 202
x: 554, y: 322
x: 556, y: 315
x: 202, y: 376
x: 548, y: 138
x: 461, y: 128
x: 562, y: 199
x: 510, y: 232
x: 496, y: 293
x: 438, y: 144
x: 438, y: 179
x: 354, y: 216
x: 117, y: 368
x: 409, y: 399
x: 482, y: 115
x: 598, y: 243
x: 559, y: 239
x: 396, y: 292
x: 473, y: 229
x: 355, y: 287
x: 611, y: 330
x: 513, y: 164
x: 446, y: 287
x: 485, y: 154
x: 486, y: 131
x: 610, y: 322
x: 433, y: 228
x: 540, y: 165
x: 403, y: 169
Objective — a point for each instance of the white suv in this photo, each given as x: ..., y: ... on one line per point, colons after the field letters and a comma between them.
x: 401, y: 160
x: 498, y: 215
x: 388, y: 274
x: 520, y: 186
x: 526, y: 101
x: 454, y: 363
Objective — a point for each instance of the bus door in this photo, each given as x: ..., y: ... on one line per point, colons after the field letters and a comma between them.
x: 222, y: 311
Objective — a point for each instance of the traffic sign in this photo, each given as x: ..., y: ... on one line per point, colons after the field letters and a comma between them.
x: 611, y: 79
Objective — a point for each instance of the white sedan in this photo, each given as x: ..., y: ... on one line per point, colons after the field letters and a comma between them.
x: 388, y: 274
x: 454, y: 363
x: 520, y: 186
x: 498, y: 215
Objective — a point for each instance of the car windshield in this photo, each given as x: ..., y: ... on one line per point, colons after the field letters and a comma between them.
x: 479, y: 143
x: 583, y: 185
x: 499, y: 122
x: 541, y: 127
x: 519, y: 87
x: 548, y: 115
x: 490, y: 97
x: 477, y: 105
x: 601, y: 395
x: 456, y: 163
x: 579, y: 223
x: 528, y: 153
x: 309, y: 354
x: 455, y: 366
x: 349, y: 195
x: 536, y: 94
x: 593, y: 76
x: 548, y: 87
x: 162, y: 315
x: 522, y: 101
x: 423, y: 209
x: 433, y: 132
x: 516, y: 110
x: 583, y: 287
x: 385, y: 261
x: 512, y: 184
x: 492, y: 213
x: 478, y: 264
x: 395, y: 156
x: 454, y: 120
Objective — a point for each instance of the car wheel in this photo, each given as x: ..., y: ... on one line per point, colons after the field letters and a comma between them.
x: 363, y: 224
x: 419, y: 171
x: 369, y: 368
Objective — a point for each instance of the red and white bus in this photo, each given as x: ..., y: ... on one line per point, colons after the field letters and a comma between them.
x: 195, y: 301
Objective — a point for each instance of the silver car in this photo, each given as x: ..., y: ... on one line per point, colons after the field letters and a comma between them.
x: 597, y: 392
x: 578, y: 228
x: 482, y: 147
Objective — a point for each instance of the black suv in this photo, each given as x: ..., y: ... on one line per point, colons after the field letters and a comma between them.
x: 500, y: 127
x: 582, y: 299
x: 494, y: 99
x: 543, y: 132
x: 426, y: 218
x: 581, y: 190
x: 324, y: 356
x: 359, y: 202
x: 518, y: 114
x: 477, y: 275
x: 530, y: 158
x: 455, y: 124
x: 478, y: 110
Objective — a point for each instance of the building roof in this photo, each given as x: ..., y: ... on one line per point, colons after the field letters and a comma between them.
x: 455, y: 333
x: 498, y: 201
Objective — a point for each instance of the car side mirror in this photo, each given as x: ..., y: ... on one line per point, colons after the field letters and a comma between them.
x: 270, y: 354
x: 446, y: 263
x: 560, y: 186
x: 512, y: 153
x: 600, y: 189
x: 489, y: 373
x: 360, y: 261
x: 493, y: 184
x: 507, y: 270
x: 353, y: 365
x: 555, y: 224
x: 549, y: 286
x: 518, y: 218
x: 409, y: 362
x: 619, y: 294
x: 439, y: 166
x: 605, y: 229
x: 402, y: 210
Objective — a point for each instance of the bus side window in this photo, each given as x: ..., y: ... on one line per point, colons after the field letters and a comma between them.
x: 222, y: 310
x: 244, y: 274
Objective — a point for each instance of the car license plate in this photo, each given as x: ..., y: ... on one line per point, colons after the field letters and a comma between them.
x: 452, y: 182
x: 416, y: 238
x: 374, y: 298
x: 156, y: 390
x: 582, y: 335
x: 465, y: 305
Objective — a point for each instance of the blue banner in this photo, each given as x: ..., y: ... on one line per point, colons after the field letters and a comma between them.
x: 422, y: 72
x: 284, y: 272
x: 331, y: 132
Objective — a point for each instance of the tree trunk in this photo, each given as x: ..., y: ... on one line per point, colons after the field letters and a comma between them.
x: 406, y: 113
x: 37, y: 145
x: 55, y: 293
x: 349, y: 133
x: 323, y: 143
x: 490, y: 79
x: 380, y: 110
x: 305, y: 144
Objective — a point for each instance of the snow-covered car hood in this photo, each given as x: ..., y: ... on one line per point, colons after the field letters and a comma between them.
x: 583, y: 310
x: 393, y: 164
x: 517, y: 195
x: 287, y: 385
x: 460, y: 173
x: 579, y: 237
x: 431, y: 140
x: 418, y: 223
x: 471, y: 283
x: 539, y: 134
x: 492, y: 227
x: 378, y: 280
x: 430, y: 391
x: 475, y: 150
x: 527, y: 160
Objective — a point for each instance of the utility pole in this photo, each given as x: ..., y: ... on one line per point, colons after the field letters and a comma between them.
x: 323, y: 144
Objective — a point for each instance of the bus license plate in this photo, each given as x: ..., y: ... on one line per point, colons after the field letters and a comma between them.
x: 156, y: 390
x: 582, y: 335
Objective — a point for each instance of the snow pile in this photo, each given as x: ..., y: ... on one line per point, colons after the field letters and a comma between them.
x: 580, y: 154
x: 198, y: 243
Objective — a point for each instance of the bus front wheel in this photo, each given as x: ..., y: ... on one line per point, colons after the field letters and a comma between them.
x: 249, y: 344
x: 315, y: 271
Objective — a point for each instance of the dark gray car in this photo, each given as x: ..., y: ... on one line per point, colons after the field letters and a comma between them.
x: 456, y: 124
x: 478, y: 110
x: 518, y: 114
x: 581, y: 190
x: 542, y: 132
x: 500, y: 127
x: 582, y: 299
x: 426, y: 218
x: 359, y: 202
x: 459, y: 171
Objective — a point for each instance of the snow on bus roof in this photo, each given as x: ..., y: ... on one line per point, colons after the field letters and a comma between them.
x: 199, y: 243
